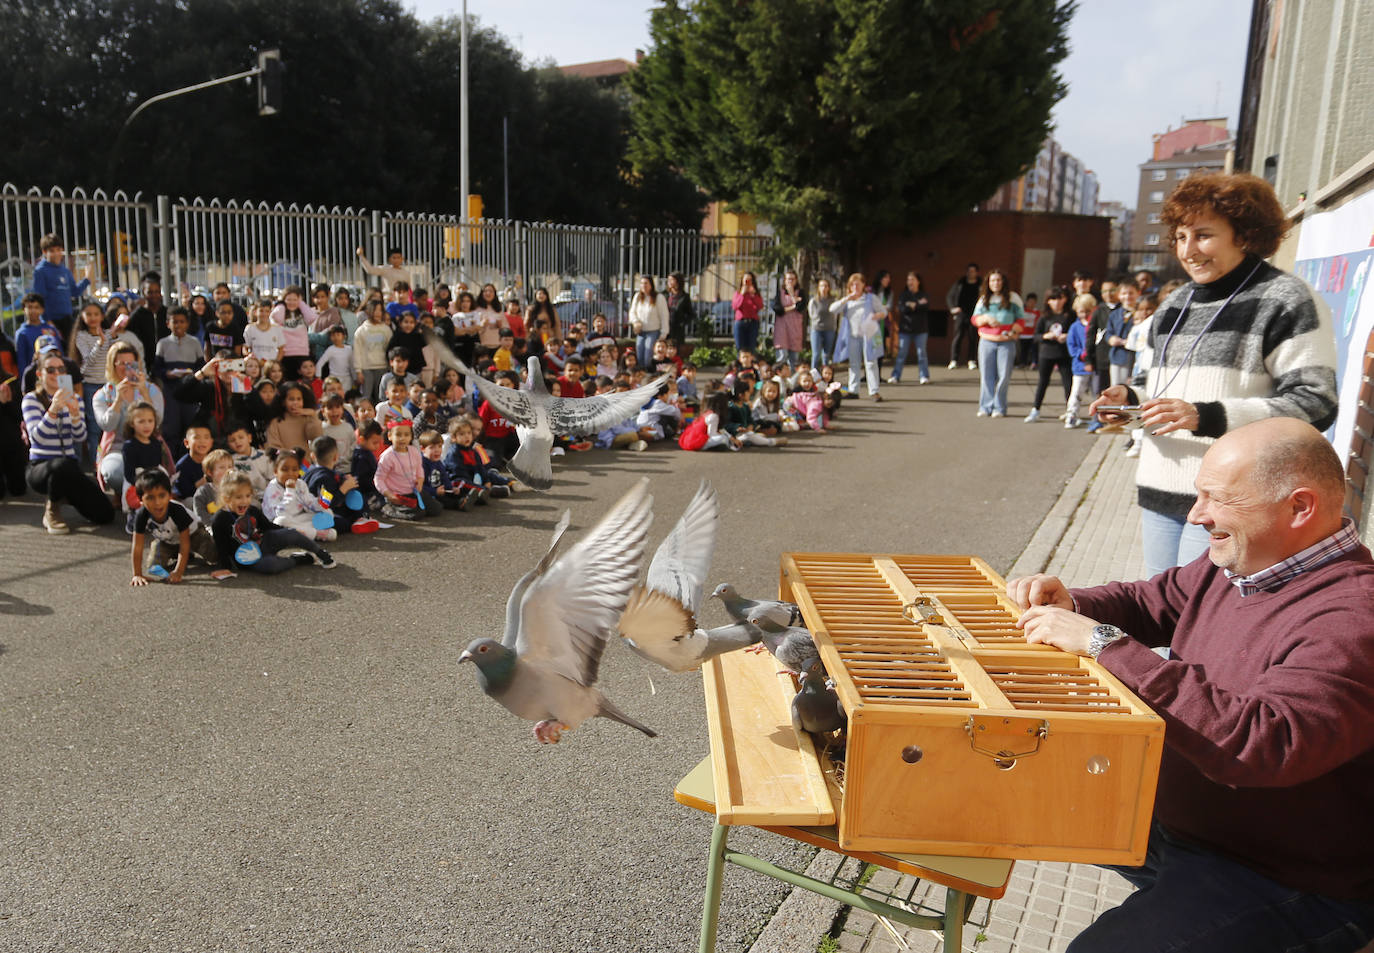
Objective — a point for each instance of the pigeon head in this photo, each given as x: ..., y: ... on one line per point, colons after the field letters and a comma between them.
x: 813, y: 669
x: 760, y: 618
x: 495, y: 663
x: 725, y: 591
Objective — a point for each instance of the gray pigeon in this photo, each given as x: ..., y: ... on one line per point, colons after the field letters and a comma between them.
x: 792, y: 646
x: 558, y: 618
x: 738, y: 607
x: 538, y: 415
x: 660, y: 618
x: 816, y: 708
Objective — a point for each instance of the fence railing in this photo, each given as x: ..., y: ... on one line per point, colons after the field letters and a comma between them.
x: 259, y: 248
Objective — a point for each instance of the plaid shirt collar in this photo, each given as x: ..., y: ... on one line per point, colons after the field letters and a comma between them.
x: 1344, y: 540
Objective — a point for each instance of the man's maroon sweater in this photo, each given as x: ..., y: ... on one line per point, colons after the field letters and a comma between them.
x: 1268, y: 703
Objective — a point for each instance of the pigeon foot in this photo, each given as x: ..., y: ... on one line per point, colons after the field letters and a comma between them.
x: 549, y: 732
x: 756, y: 649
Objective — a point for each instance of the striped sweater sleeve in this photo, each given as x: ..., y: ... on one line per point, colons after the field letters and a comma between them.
x: 49, y: 437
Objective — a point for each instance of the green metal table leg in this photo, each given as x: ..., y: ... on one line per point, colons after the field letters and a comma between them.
x: 715, y: 869
x: 957, y: 909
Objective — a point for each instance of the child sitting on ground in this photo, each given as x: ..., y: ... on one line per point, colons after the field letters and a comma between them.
x: 437, y: 481
x: 189, y: 472
x: 687, y: 386
x: 239, y: 522
x: 248, y: 460
x: 401, y: 476
x: 175, y: 533
x: 288, y: 501
x: 767, y: 409
x: 399, y: 359
x: 205, y: 502
x: 498, y: 434
x: 739, y: 421
x: 395, y: 406
x: 809, y: 408
x: 337, y: 428
x: 430, y: 416
x: 469, y: 469
x: 371, y: 443
x: 332, y: 488
x: 143, y: 450
x: 661, y: 418
x: 706, y: 432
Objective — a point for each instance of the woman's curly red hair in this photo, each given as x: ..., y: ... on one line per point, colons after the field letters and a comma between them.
x: 1247, y: 202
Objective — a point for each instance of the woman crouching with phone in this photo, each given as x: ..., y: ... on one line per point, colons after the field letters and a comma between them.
x: 56, y: 425
x: 126, y: 384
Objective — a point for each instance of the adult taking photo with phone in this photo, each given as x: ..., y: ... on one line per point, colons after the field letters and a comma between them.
x: 55, y: 422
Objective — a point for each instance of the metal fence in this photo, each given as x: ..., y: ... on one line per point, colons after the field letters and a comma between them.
x: 260, y: 248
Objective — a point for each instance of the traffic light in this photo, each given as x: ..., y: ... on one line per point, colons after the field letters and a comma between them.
x: 269, y: 82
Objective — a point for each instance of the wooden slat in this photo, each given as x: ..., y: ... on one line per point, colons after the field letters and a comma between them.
x: 766, y: 773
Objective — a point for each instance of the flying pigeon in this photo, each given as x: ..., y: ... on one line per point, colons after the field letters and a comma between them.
x: 781, y: 613
x: 816, y: 708
x: 660, y: 618
x: 558, y: 618
x: 538, y: 416
x: 790, y: 645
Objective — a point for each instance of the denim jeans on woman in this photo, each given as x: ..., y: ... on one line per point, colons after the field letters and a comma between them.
x: 644, y: 347
x: 995, y: 359
x: 871, y: 349
x: 746, y: 334
x: 1169, y: 541
x: 822, y: 347
x: 1193, y: 900
x: 904, y: 344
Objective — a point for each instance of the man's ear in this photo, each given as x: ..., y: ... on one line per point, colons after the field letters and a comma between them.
x: 1303, y: 504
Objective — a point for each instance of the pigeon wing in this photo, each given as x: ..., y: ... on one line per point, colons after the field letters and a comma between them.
x: 682, y: 560
x: 514, y: 405
x: 568, y: 612
x: 518, y: 593
x: 659, y: 628
x: 574, y: 416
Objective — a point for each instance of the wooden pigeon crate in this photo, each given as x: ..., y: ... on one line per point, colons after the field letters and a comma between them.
x: 963, y: 738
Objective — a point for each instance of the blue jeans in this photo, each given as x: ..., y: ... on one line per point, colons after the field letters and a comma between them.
x: 93, y: 431
x: 995, y: 360
x: 904, y: 343
x: 746, y: 334
x: 865, y: 351
x: 278, y: 539
x: 1169, y: 541
x: 644, y: 348
x: 1191, y: 899
x: 822, y: 347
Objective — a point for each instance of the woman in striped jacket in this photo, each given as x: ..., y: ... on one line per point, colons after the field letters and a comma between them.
x: 55, y: 423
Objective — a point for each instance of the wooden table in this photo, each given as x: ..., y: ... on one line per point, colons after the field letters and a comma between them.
x: 762, y: 774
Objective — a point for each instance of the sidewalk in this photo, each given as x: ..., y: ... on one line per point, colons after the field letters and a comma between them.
x: 1090, y: 536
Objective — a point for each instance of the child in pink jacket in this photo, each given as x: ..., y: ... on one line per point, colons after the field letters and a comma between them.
x: 401, y: 475
x: 811, y: 407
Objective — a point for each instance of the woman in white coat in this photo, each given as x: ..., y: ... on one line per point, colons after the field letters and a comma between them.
x: 861, y: 313
x: 648, y: 320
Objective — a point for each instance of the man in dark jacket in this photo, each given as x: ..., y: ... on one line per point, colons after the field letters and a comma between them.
x: 961, y: 300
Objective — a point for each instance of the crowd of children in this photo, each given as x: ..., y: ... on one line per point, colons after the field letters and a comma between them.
x: 246, y: 440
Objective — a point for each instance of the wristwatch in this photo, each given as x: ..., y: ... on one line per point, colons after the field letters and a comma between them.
x: 1103, y: 636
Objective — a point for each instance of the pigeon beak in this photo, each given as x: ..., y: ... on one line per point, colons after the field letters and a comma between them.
x: 465, y: 657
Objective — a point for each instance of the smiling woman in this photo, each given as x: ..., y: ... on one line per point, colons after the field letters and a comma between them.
x: 1239, y: 342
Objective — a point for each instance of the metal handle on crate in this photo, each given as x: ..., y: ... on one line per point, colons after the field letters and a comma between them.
x: 925, y: 608
x: 986, y: 733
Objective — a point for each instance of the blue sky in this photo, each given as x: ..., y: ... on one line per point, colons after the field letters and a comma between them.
x: 1135, y: 67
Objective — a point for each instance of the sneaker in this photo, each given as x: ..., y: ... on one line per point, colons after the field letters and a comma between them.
x: 1033, y: 416
x: 639, y: 446
x: 779, y: 441
x: 463, y: 502
x: 481, y: 494
x: 1071, y: 423
x: 1133, y: 450
x: 1095, y: 426
x: 303, y: 559
x: 557, y: 452
x: 982, y: 412
x: 997, y: 413
x: 326, y: 561
x: 924, y: 380
x: 326, y: 535
x: 894, y: 380
x: 973, y: 365
x: 877, y: 397
x: 517, y: 486
x: 364, y: 524
x: 953, y: 365
x: 581, y: 446
x: 52, y: 521
x: 498, y: 492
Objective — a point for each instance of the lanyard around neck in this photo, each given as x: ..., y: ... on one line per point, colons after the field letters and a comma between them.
x: 1182, y: 315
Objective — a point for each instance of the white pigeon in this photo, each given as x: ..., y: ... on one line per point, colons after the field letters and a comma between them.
x: 538, y: 416
x: 659, y: 621
x: 558, y: 618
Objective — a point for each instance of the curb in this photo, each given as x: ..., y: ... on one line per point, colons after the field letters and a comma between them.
x: 1047, y: 537
x: 804, y: 917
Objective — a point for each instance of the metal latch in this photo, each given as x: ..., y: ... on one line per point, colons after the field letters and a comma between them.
x: 925, y: 608
x: 1005, y: 740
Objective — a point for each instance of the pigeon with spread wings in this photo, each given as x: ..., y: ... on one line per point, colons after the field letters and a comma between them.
x: 659, y: 621
x: 558, y: 618
x: 538, y: 415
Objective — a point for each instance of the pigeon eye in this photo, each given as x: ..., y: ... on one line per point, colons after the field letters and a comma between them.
x: 482, y: 648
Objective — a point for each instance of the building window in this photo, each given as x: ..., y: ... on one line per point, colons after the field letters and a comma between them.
x: 1159, y: 175
x: 1153, y: 219
x: 1152, y: 238
x: 1156, y: 197
x: 1149, y: 261
x: 1182, y: 173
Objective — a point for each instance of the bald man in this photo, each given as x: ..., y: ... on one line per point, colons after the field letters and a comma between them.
x: 1263, y: 834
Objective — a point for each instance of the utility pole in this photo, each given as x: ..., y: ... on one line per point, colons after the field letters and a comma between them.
x: 463, y: 139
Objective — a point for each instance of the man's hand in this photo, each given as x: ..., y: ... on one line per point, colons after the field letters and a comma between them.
x: 1039, y: 590
x: 1062, y: 628
x: 139, y: 580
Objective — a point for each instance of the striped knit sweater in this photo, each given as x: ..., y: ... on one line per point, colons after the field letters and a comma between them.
x: 1269, y: 354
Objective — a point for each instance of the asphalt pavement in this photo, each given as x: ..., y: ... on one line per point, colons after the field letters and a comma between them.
x: 299, y: 763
